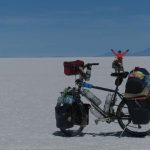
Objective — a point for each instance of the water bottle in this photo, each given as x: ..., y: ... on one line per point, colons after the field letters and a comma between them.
x: 96, y: 113
x: 60, y: 100
x: 88, y: 73
x: 107, y: 102
x: 68, y: 99
x: 91, y: 97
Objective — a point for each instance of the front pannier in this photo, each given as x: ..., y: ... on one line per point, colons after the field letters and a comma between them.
x: 63, y: 116
x: 71, y: 67
x: 81, y: 118
x: 139, y: 109
x: 69, y: 112
x: 69, y: 115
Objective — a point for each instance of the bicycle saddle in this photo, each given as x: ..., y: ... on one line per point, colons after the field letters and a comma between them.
x: 121, y: 74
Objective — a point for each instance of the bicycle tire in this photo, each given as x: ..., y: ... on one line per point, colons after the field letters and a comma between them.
x: 126, y: 124
x: 76, y: 129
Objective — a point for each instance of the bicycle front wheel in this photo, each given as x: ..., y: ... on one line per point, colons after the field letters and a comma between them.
x: 80, y: 121
x: 125, y: 122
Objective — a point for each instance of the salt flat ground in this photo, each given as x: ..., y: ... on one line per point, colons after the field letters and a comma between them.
x: 29, y: 88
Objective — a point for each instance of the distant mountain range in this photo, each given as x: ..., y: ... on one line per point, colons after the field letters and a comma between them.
x: 145, y: 52
x: 47, y: 53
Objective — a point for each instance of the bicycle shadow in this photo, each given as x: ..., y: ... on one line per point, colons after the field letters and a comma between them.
x: 59, y: 133
x: 118, y: 134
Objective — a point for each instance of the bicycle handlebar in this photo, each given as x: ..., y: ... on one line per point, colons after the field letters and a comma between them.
x: 90, y: 65
x: 86, y: 75
x: 93, y: 64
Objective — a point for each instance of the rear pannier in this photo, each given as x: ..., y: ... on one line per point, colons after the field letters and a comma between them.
x: 137, y: 95
x: 139, y: 109
x: 71, y: 67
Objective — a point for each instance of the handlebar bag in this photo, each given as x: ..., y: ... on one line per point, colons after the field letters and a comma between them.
x: 72, y: 67
x: 139, y: 109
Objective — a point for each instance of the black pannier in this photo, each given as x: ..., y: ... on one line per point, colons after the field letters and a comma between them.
x: 139, y: 109
x: 138, y: 79
x: 68, y: 112
x: 135, y: 85
x: 81, y: 118
x: 137, y: 93
x: 63, y: 116
x: 69, y: 115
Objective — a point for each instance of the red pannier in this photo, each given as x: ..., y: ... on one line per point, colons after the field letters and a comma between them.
x: 71, y: 67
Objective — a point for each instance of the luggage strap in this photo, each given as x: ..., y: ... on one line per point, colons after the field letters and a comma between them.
x: 141, y: 97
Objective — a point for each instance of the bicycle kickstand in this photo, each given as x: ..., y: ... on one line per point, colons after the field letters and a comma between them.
x: 124, y: 130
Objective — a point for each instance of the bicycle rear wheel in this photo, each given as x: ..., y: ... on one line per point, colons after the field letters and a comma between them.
x: 80, y: 122
x: 125, y: 122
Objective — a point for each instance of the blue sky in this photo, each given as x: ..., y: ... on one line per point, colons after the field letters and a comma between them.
x: 73, y: 27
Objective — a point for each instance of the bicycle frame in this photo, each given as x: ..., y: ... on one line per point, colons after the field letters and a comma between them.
x: 101, y: 111
x: 90, y: 86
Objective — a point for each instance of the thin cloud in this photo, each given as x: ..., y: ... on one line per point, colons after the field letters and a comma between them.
x: 22, y: 20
